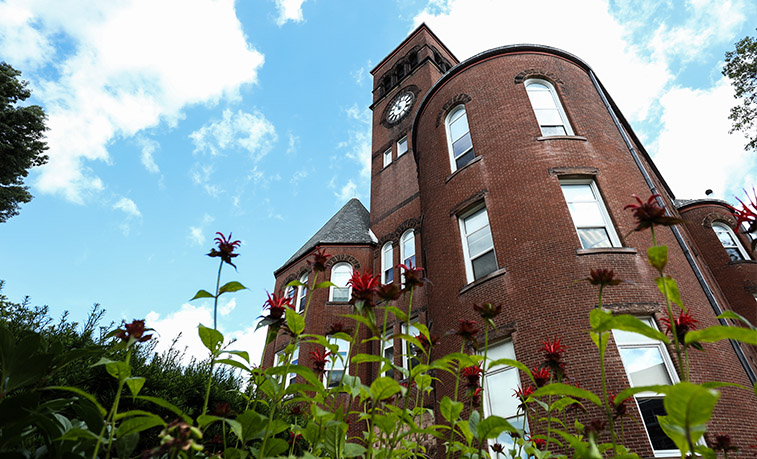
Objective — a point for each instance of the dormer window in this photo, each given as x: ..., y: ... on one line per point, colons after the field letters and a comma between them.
x: 729, y: 241
x: 547, y: 108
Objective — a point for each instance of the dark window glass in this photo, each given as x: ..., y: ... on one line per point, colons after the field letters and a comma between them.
x: 650, y: 409
x: 484, y: 265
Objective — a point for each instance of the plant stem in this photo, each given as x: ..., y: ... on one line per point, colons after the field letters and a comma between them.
x: 114, y: 410
x: 215, y: 299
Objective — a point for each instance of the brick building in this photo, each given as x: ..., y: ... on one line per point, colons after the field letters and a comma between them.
x: 505, y: 177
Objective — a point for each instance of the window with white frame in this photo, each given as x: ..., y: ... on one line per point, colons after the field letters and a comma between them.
x: 291, y: 294
x: 590, y: 217
x: 387, y: 263
x: 280, y: 360
x: 500, y: 384
x: 410, y: 354
x: 402, y: 146
x: 730, y: 243
x: 458, y: 138
x: 478, y: 245
x: 387, y: 157
x: 340, y: 275
x: 647, y: 363
x: 389, y: 352
x: 337, y: 365
x: 547, y: 108
x: 407, y: 248
x: 302, y: 294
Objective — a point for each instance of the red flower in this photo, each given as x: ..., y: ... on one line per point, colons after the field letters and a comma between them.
x: 539, y: 443
x: 364, y: 287
x: 722, y: 442
x: 473, y: 374
x: 320, y: 257
x: 413, y: 276
x: 620, y: 408
x: 426, y: 343
x: 388, y: 292
x: 523, y: 393
x: 475, y: 397
x: 320, y: 357
x: 541, y: 376
x: 467, y: 330
x: 136, y: 330
x: 683, y: 323
x: 277, y: 305
x: 338, y: 327
x: 649, y: 214
x: 602, y: 277
x: 552, y: 350
x: 745, y: 214
x: 498, y: 448
x: 223, y: 410
x: 487, y: 310
x: 225, y: 249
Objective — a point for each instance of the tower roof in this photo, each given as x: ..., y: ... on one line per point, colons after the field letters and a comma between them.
x: 350, y: 225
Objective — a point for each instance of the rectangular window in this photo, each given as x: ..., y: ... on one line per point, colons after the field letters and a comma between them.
x: 410, y: 358
x: 647, y: 363
x: 337, y: 366
x: 387, y: 157
x: 402, y: 146
x: 478, y: 245
x: 590, y: 217
x: 500, y: 384
x: 389, y: 352
x: 280, y: 359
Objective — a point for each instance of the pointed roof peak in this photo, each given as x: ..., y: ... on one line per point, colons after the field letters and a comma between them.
x: 350, y: 225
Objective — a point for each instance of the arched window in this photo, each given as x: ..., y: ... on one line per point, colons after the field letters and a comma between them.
x: 340, y: 275
x: 387, y: 263
x: 730, y: 243
x: 302, y: 294
x: 547, y: 108
x: 458, y: 135
x: 407, y: 248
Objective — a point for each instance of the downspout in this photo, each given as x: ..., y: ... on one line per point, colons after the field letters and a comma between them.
x: 676, y: 232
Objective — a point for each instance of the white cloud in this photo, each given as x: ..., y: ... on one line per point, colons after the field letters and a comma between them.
x: 196, y: 234
x: 105, y: 87
x: 358, y: 143
x: 148, y: 147
x: 248, y: 131
x: 185, y: 322
x: 289, y: 10
x: 226, y: 308
x: 297, y: 176
x: 695, y: 152
x: 128, y: 206
x: 347, y: 192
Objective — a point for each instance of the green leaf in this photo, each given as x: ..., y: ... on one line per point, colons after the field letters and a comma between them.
x: 202, y: 294
x: 232, y: 286
x: 325, y: 284
x: 672, y: 287
x: 205, y: 420
x: 234, y: 363
x: 135, y: 384
x: 253, y: 425
x: 721, y: 332
x: 450, y: 410
x: 384, y: 387
x: 562, y: 403
x: 243, y: 354
x: 511, y: 363
x: 398, y: 313
x: 735, y: 316
x: 211, y: 338
x: 81, y: 393
x: 658, y: 256
x: 689, y: 407
x: 564, y: 389
x: 295, y: 321
x: 274, y: 447
x: 626, y: 393
x: 353, y: 450
x: 137, y: 424
x: 167, y: 405
x: 596, y: 337
x: 362, y: 358
x: 632, y: 324
x: 473, y: 421
x: 116, y: 368
x: 296, y: 283
x: 492, y: 426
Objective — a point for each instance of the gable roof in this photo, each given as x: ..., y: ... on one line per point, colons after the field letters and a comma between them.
x: 350, y: 225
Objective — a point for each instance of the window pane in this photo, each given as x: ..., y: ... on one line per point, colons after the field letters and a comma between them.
x: 734, y: 254
x: 484, y: 265
x: 578, y: 192
x: 464, y: 159
x: 402, y: 146
x: 335, y: 376
x: 594, y: 238
x: 501, y: 351
x: 340, y: 274
x: 409, y: 260
x: 458, y: 127
x: 553, y: 130
x: 651, y: 408
x: 500, y: 387
x: 548, y: 117
x: 389, y: 276
x: 645, y: 366
x: 341, y: 294
x: 586, y: 214
x: 480, y: 241
x: 541, y: 97
x: 461, y: 145
x: 389, y: 354
x: 476, y: 221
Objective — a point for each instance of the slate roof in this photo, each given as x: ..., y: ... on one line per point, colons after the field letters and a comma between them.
x: 680, y: 203
x: 350, y: 225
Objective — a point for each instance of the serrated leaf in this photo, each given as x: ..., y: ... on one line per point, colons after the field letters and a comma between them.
x: 493, y: 426
x: 211, y: 338
x: 658, y: 256
x: 671, y: 286
x: 450, y: 410
x: 119, y: 370
x: 384, y: 387
x: 135, y: 384
x: 353, y: 450
x: 721, y: 332
x: 232, y: 286
x: 202, y: 294
x: 295, y: 321
x: 398, y: 313
x: 689, y: 407
x: 564, y: 389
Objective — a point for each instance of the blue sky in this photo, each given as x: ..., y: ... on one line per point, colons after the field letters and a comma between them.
x: 171, y: 120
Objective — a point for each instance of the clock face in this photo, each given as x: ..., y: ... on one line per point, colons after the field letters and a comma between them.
x: 400, y: 107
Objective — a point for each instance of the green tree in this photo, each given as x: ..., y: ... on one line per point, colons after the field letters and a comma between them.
x: 22, y: 143
x: 741, y: 68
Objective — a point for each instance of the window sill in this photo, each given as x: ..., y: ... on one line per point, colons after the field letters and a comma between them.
x: 338, y: 303
x: 743, y: 262
x: 562, y: 137
x: 472, y: 161
x: 484, y: 279
x: 628, y: 250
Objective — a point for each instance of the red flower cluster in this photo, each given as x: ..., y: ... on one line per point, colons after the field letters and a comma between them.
x: 473, y: 375
x: 539, y: 443
x: 413, y: 276
x: 223, y: 410
x: 426, y: 344
x: 338, y: 327
x: 388, y: 292
x: 364, y: 287
x: 523, y: 393
x: 684, y: 323
x: 467, y: 330
x: 320, y: 257
x: 136, y: 330
x: 620, y: 409
x: 602, y: 277
x: 225, y: 249
x: 541, y: 376
x: 649, y: 214
x: 475, y: 397
x: 320, y: 357
x: 487, y: 310
x: 553, y: 351
x: 277, y: 304
x: 745, y: 214
x: 722, y: 442
x: 498, y: 448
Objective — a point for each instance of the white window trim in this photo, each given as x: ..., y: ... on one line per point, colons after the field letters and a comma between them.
x: 612, y: 234
x: 672, y: 374
x: 336, y: 361
x: 486, y: 401
x: 401, y: 152
x: 295, y: 361
x: 558, y: 104
x: 407, y: 351
x: 387, y: 157
x: 403, y: 255
x: 389, y: 336
x: 470, y: 276
x: 302, y: 294
x: 450, y: 149
x: 349, y: 288
x: 738, y: 246
x: 387, y: 248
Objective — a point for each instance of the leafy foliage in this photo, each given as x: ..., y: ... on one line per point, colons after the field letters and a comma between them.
x: 741, y: 68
